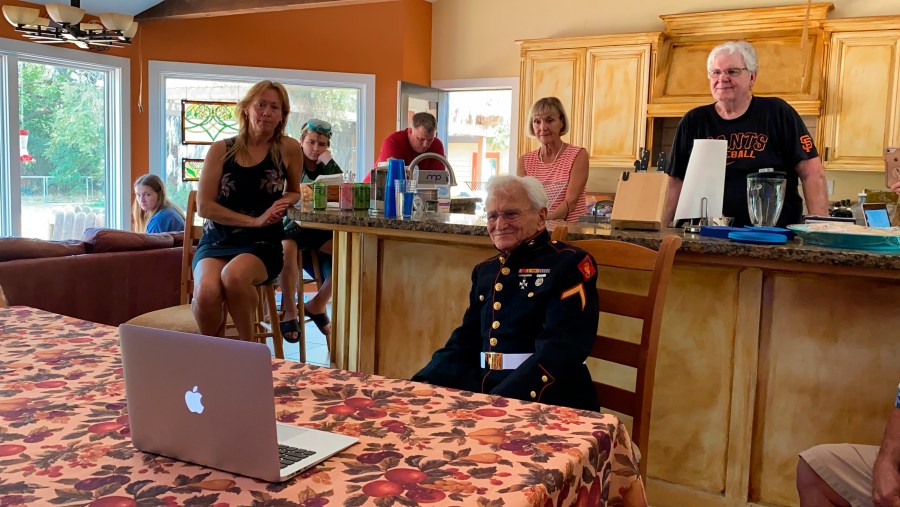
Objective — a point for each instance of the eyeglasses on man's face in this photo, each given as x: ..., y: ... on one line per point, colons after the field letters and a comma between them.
x: 509, y: 215
x: 318, y: 126
x: 732, y: 72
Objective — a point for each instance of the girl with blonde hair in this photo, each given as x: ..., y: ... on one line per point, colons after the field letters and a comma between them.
x: 152, y: 210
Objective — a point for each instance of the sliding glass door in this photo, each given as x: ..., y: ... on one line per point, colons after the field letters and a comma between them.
x: 64, y: 164
x: 63, y: 153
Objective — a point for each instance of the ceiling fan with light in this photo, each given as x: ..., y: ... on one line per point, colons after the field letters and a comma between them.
x: 66, y: 25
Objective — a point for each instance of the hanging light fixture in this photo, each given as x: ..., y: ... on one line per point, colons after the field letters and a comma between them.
x: 66, y: 25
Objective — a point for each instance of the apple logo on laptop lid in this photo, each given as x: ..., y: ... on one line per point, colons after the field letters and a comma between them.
x: 192, y: 400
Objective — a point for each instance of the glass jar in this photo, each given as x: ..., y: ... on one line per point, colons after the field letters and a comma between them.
x: 320, y: 195
x: 345, y: 196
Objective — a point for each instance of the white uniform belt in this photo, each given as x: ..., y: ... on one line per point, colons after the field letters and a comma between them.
x: 500, y: 361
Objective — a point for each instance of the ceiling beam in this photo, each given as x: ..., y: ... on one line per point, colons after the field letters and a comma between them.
x: 183, y: 9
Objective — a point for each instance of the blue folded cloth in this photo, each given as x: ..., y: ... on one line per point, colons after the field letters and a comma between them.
x: 718, y: 231
x: 758, y: 238
x: 774, y: 230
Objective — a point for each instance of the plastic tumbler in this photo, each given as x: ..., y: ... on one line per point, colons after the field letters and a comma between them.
x: 405, y: 194
x: 396, y: 171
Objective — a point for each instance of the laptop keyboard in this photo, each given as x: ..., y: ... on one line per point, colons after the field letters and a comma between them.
x: 288, y: 455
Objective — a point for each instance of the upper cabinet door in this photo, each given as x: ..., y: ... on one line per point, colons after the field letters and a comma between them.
x: 552, y: 73
x: 615, y: 109
x: 862, y: 108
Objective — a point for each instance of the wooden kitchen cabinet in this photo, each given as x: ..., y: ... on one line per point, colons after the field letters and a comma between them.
x: 559, y: 73
x: 615, y: 106
x: 603, y: 82
x: 862, y: 104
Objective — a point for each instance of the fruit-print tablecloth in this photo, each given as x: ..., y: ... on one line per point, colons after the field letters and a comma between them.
x: 64, y: 437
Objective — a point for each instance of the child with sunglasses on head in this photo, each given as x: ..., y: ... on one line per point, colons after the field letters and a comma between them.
x: 315, y: 141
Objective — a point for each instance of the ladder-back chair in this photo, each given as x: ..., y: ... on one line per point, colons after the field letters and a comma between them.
x: 647, y: 308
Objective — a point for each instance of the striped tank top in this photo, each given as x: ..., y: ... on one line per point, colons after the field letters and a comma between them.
x: 555, y: 178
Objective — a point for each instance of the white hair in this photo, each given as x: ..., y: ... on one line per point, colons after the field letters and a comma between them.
x: 509, y: 183
x: 743, y: 47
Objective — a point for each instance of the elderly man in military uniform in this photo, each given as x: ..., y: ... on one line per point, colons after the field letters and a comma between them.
x: 532, y: 315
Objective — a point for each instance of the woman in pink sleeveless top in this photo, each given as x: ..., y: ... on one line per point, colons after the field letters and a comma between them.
x: 561, y: 167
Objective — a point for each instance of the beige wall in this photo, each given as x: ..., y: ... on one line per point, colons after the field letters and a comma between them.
x: 476, y: 39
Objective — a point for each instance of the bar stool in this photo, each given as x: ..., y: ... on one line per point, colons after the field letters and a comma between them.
x: 180, y: 318
x: 266, y: 322
x: 307, y: 285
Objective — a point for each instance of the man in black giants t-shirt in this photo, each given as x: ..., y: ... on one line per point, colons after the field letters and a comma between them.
x: 761, y: 132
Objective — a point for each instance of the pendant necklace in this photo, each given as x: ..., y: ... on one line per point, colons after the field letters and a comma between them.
x: 561, y: 148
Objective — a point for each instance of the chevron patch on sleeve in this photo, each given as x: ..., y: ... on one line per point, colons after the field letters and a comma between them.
x: 577, y: 290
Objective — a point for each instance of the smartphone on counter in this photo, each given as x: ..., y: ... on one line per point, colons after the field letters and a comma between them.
x: 891, y: 166
x: 876, y: 215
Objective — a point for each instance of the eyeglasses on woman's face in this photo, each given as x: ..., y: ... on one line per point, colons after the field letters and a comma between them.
x: 318, y: 126
x: 732, y: 72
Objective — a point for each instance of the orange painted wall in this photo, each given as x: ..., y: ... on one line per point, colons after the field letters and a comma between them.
x: 390, y: 39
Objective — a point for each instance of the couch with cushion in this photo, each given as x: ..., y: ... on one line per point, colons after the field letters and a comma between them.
x: 108, y: 277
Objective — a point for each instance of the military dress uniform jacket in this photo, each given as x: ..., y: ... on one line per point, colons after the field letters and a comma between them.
x: 539, y: 300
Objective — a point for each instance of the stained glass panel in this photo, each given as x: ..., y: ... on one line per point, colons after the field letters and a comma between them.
x: 204, y: 122
x: 190, y: 169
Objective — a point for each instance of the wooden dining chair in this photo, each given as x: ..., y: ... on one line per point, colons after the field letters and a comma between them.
x: 181, y: 318
x: 647, y: 308
x: 559, y: 233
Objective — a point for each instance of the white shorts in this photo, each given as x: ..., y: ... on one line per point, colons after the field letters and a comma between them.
x: 847, y: 468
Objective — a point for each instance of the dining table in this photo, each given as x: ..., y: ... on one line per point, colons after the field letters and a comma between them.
x: 64, y: 437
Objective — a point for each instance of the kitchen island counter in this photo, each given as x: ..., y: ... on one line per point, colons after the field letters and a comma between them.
x: 469, y: 228
x: 763, y: 351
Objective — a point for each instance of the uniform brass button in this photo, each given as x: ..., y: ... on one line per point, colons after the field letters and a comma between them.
x: 531, y: 294
x: 502, y: 259
x: 481, y: 297
x: 504, y: 271
x: 544, y: 378
x: 498, y: 286
x: 495, y: 325
x: 554, y: 241
x: 533, y: 394
x: 493, y: 342
x: 497, y: 305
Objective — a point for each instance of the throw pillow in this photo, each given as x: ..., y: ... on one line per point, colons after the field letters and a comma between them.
x: 27, y: 248
x: 113, y: 240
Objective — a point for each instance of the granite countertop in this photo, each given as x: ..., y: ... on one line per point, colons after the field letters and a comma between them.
x: 472, y: 225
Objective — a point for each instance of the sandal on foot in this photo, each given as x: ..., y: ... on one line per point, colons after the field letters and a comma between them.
x: 290, y: 326
x: 321, y: 320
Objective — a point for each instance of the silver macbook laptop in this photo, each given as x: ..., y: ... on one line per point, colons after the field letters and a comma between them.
x: 211, y: 401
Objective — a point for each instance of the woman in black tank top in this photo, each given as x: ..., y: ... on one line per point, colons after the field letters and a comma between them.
x: 246, y: 185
